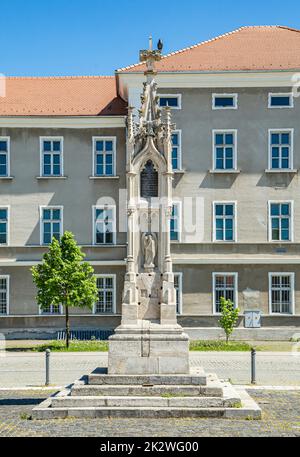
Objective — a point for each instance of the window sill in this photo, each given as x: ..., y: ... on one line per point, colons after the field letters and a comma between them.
x: 179, y: 172
x: 281, y: 170
x: 281, y: 241
x: 6, y: 178
x: 51, y: 177
x: 281, y: 314
x: 104, y: 177
x: 222, y: 172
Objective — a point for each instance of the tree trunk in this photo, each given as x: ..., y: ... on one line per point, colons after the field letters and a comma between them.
x: 67, y: 327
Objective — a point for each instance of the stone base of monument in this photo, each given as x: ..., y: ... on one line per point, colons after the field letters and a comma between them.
x: 148, y: 348
x: 153, y: 396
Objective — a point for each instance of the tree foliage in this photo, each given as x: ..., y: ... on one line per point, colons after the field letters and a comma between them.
x: 64, y: 279
x: 229, y: 316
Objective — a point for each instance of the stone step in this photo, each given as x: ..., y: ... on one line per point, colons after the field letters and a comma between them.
x: 154, y: 402
x: 147, y: 380
x: 153, y: 391
x: 143, y: 412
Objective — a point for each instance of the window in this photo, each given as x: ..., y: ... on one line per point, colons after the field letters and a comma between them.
x: 106, y: 295
x: 175, y: 222
x: 51, y: 156
x: 281, y: 293
x: 224, y: 101
x: 171, y: 100
x: 3, y: 225
x: 280, y: 217
x: 224, y: 285
x: 224, y: 149
x: 178, y: 290
x: 284, y: 100
x: 104, y: 156
x: 4, y: 156
x: 51, y: 224
x: 4, y: 295
x: 176, y: 150
x: 224, y: 224
x: 51, y: 309
x: 104, y: 224
x: 281, y: 149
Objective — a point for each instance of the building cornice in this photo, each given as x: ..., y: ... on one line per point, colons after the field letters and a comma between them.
x: 67, y: 122
x: 225, y: 79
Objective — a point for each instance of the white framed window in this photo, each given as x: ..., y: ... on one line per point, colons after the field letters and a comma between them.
x: 178, y: 290
x: 175, y: 222
x: 4, y: 156
x: 176, y: 150
x: 51, y: 223
x: 171, y: 100
x: 224, y: 101
x: 51, y: 156
x: 104, y: 156
x: 281, y: 293
x: 280, y: 100
x: 224, y: 149
x: 4, y: 225
x: 4, y: 295
x: 104, y: 224
x: 106, y: 303
x: 280, y: 220
x: 224, y: 221
x: 281, y: 145
x: 224, y: 285
x: 52, y: 310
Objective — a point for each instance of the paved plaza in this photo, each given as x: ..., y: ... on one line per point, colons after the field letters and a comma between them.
x: 281, y: 417
x: 28, y: 369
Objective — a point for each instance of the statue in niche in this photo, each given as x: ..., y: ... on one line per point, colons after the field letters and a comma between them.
x: 149, y: 250
x: 149, y: 181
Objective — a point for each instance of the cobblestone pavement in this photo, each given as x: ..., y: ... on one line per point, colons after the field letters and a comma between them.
x: 281, y: 417
x: 28, y: 369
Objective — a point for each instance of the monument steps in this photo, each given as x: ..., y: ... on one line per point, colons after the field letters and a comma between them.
x: 145, y: 412
x: 149, y: 380
x: 143, y: 401
x: 138, y: 390
x: 215, y: 399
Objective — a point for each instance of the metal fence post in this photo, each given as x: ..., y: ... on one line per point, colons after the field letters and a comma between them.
x: 47, y: 367
x: 253, y: 366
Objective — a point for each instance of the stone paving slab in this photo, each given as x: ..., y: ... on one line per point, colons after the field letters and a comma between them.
x: 281, y: 417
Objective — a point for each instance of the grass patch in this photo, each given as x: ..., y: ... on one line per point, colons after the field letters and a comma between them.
x: 102, y: 346
x: 75, y: 346
x: 25, y: 416
x: 219, y: 345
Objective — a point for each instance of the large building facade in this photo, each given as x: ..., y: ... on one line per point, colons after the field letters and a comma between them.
x: 235, y: 226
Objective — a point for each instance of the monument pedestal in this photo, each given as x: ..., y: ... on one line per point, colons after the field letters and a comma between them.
x: 148, y: 348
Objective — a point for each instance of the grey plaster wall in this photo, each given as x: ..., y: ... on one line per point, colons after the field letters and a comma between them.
x: 252, y: 188
x: 76, y: 194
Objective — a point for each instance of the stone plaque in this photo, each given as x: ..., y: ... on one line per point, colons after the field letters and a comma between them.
x: 149, y: 181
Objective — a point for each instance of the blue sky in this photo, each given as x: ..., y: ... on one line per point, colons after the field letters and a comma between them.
x: 92, y: 37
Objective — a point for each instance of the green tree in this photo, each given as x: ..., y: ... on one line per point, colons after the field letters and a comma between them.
x: 229, y: 316
x: 64, y: 279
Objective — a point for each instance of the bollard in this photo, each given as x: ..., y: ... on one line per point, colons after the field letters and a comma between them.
x: 253, y: 366
x: 47, y: 367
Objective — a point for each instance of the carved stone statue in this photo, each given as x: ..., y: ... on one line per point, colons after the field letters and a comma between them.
x: 149, y: 250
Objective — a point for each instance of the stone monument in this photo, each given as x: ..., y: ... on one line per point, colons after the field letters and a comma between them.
x: 149, y: 339
x: 148, y: 373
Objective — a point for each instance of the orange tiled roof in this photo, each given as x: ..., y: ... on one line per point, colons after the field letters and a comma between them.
x: 62, y: 96
x: 247, y: 48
